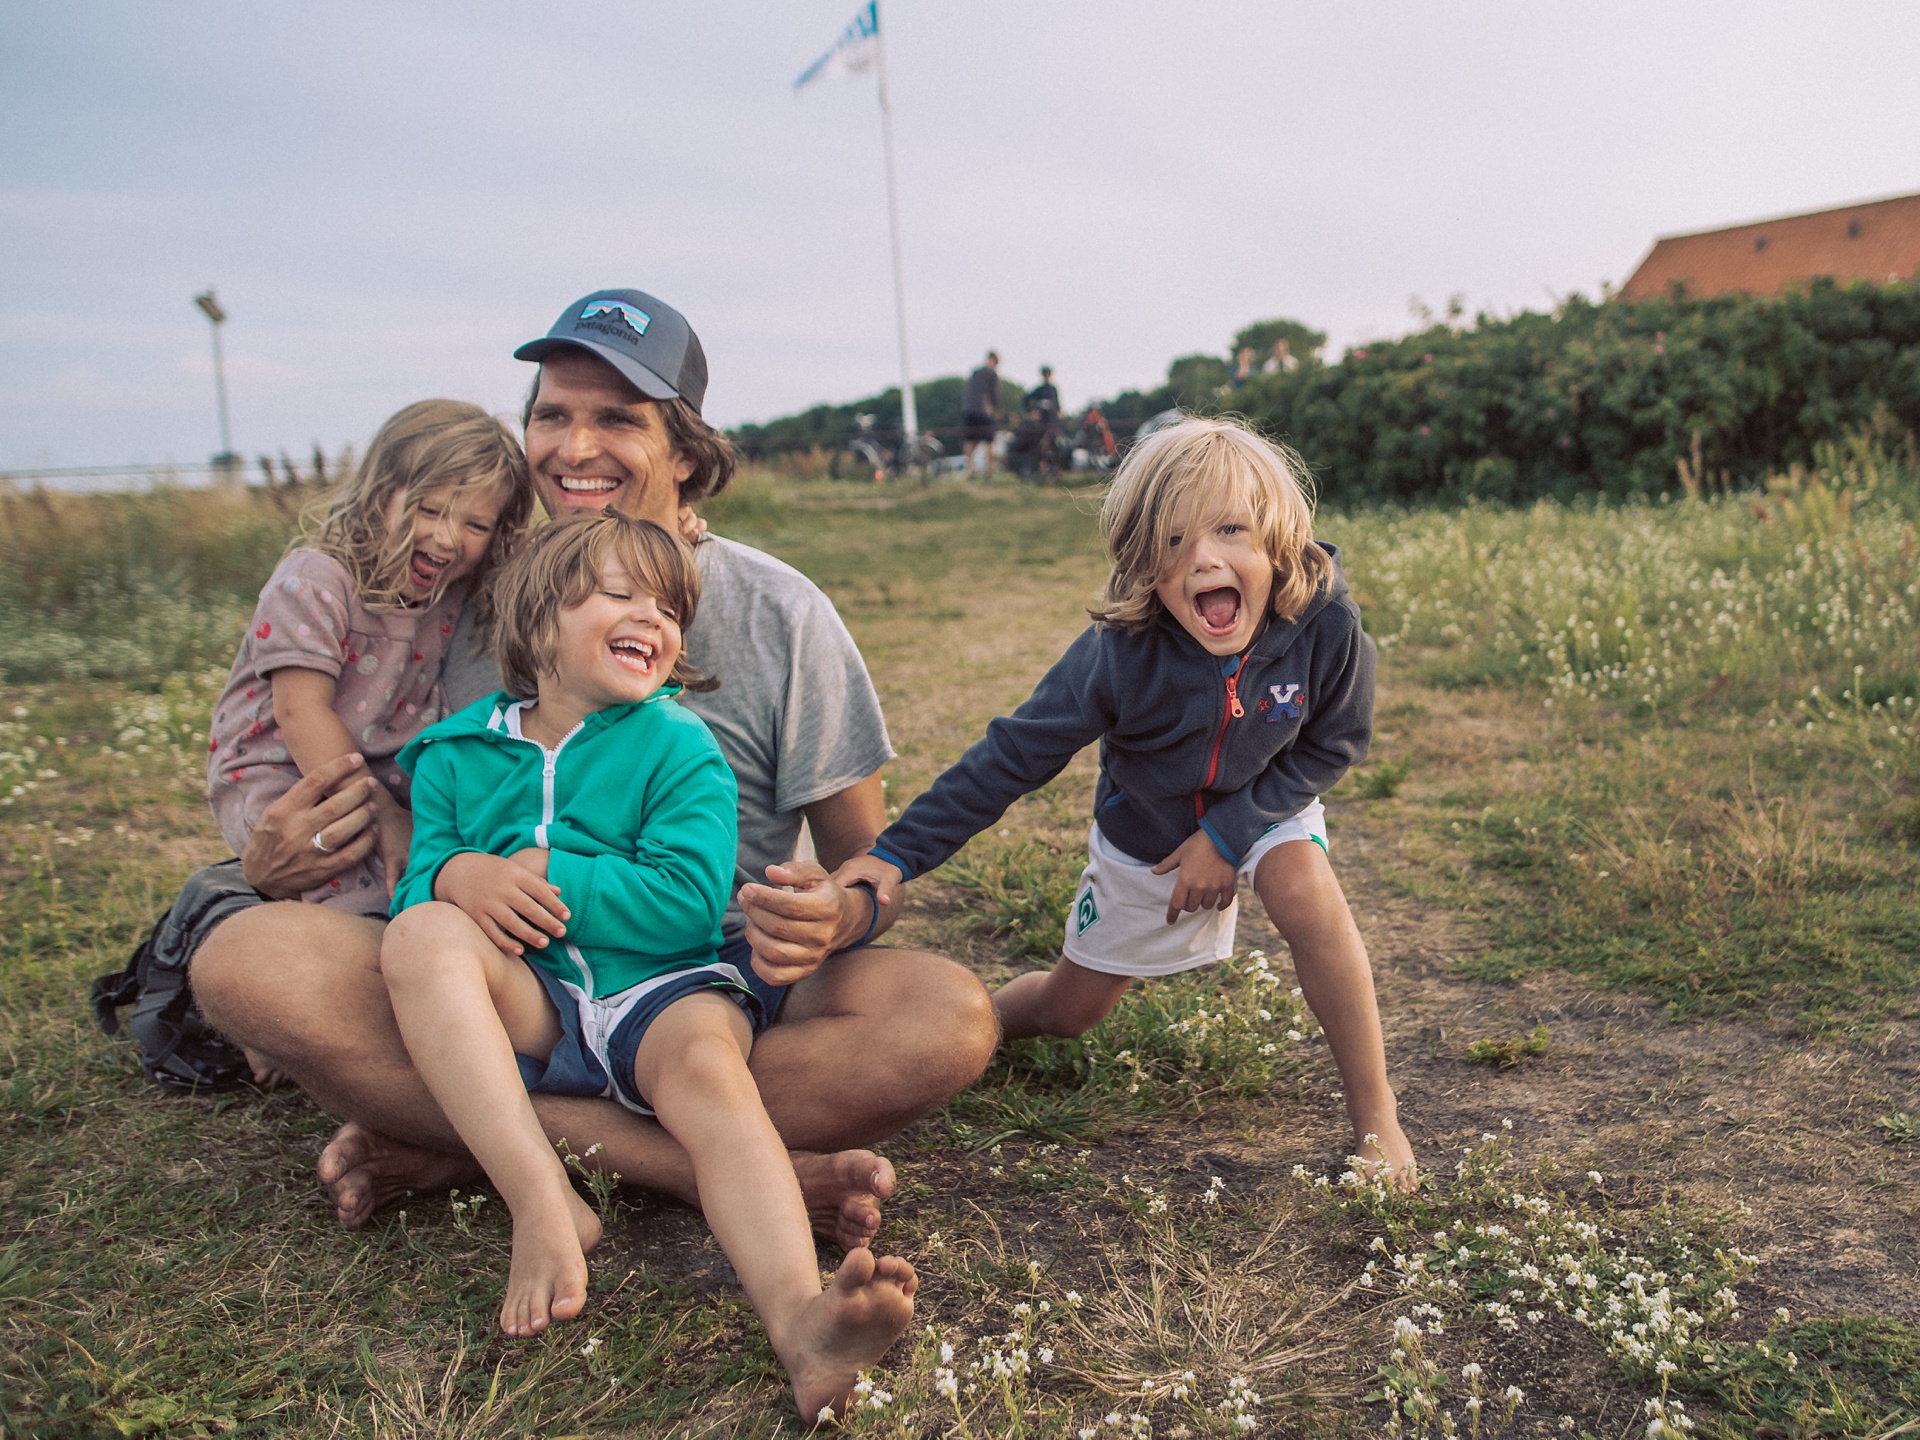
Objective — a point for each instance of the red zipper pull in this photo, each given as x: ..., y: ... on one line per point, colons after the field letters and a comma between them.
x: 1234, y: 707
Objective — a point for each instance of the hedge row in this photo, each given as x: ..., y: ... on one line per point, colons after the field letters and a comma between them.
x: 1599, y: 397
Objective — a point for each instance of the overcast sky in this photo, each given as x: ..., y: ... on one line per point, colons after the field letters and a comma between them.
x: 389, y: 197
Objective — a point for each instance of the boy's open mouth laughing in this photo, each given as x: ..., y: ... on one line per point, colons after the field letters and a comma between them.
x: 634, y: 653
x: 1219, y: 610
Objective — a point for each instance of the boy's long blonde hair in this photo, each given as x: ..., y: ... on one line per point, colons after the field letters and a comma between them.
x: 560, y: 566
x: 429, y: 444
x: 1200, y: 470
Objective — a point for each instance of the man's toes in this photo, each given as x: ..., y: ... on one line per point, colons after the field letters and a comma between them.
x: 353, y: 1199
x: 350, y: 1148
x: 859, y: 1221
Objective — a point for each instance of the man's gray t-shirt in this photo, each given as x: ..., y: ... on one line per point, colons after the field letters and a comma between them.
x: 796, y: 714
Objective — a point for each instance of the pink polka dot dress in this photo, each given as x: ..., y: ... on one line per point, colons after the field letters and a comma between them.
x: 386, y: 669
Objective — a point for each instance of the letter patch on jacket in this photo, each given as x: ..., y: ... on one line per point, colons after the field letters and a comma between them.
x: 1284, y: 702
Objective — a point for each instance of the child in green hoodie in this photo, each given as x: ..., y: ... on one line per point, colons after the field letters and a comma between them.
x: 558, y: 928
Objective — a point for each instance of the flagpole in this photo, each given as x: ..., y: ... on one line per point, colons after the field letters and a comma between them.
x: 909, y: 412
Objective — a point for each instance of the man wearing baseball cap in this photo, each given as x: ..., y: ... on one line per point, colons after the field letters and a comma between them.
x: 867, y: 1038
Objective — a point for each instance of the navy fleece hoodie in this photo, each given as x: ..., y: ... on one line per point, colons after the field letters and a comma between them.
x: 1188, y: 740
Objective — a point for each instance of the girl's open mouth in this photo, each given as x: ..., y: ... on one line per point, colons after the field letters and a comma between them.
x: 425, y: 570
x: 1219, y: 610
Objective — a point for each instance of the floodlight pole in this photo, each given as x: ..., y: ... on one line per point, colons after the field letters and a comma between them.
x: 909, y: 413
x: 216, y: 316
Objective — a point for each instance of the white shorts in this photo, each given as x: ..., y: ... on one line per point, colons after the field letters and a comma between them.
x: 1118, y: 923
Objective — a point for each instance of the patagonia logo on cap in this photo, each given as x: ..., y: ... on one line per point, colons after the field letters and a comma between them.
x: 611, y: 315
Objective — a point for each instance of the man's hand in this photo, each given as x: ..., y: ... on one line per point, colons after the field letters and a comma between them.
x: 793, y: 930
x: 1206, y: 876
x: 870, y: 870
x: 335, y: 802
x: 513, y: 906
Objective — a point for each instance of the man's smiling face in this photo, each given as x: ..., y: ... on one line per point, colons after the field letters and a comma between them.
x: 595, y: 443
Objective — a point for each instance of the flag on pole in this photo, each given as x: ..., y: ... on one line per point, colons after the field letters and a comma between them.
x: 852, y: 53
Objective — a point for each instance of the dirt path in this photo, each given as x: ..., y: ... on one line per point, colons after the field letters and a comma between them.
x: 1729, y: 1113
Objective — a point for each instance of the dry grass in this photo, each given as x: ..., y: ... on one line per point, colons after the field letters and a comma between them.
x: 166, y: 1267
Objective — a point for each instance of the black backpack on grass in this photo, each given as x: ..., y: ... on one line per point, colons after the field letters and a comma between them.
x: 179, y: 1051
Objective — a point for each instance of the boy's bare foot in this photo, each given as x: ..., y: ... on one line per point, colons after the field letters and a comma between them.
x: 363, y: 1170
x: 548, y: 1280
x: 843, y: 1191
x: 846, y: 1330
x: 264, y: 1073
x: 1382, y: 1147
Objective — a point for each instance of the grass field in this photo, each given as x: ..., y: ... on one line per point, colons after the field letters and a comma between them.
x: 1635, y: 857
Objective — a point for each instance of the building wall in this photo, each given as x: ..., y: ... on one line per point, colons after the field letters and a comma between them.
x: 1877, y: 242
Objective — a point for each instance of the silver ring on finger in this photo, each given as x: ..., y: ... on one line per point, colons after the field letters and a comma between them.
x: 321, y: 845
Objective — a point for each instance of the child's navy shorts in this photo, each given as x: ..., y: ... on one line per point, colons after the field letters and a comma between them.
x: 599, y: 1038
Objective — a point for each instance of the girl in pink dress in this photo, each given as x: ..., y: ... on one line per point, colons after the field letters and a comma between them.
x: 345, y: 648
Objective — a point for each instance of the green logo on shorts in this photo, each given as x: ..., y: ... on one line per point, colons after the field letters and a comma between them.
x: 1085, y: 913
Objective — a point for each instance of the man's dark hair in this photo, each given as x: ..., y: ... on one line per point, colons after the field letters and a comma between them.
x: 711, y: 452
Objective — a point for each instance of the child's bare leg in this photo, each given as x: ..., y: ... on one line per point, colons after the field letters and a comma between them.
x: 463, y: 1008
x: 692, y: 1067
x: 1307, y: 906
x: 1066, y: 1000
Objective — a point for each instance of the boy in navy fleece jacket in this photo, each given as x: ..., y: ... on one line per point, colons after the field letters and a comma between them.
x: 1230, y: 685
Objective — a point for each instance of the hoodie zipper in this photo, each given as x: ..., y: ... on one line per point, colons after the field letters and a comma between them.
x: 549, y: 763
x: 1231, y: 712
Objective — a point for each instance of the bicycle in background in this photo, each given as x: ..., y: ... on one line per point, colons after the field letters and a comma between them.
x: 871, y: 453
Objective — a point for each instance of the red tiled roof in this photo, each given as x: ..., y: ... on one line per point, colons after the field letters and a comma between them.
x: 1876, y: 241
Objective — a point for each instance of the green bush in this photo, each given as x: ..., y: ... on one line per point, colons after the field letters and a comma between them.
x: 1604, y: 397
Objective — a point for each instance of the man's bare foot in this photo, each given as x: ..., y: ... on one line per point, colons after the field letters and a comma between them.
x: 363, y: 1170
x: 548, y: 1280
x: 265, y: 1075
x: 843, y: 1191
x: 846, y: 1330
x: 1383, y: 1149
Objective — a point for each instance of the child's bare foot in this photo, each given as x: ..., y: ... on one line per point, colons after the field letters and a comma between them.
x: 363, y: 1170
x: 1382, y: 1147
x: 846, y: 1330
x: 843, y: 1191
x: 548, y: 1280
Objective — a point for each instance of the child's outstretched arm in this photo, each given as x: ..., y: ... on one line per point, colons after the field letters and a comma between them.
x: 1070, y: 708
x: 303, y: 709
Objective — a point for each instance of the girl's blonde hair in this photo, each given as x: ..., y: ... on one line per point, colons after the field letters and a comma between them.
x: 1195, y: 473
x: 561, y: 565
x: 429, y: 444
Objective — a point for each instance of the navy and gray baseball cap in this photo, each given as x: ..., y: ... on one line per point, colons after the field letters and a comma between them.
x: 646, y: 340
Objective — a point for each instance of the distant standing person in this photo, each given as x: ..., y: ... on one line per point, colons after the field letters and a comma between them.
x: 1243, y: 368
x: 980, y: 415
x: 1044, y: 398
x: 1283, y: 361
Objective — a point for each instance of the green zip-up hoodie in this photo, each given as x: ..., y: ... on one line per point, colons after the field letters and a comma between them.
x: 636, y: 807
